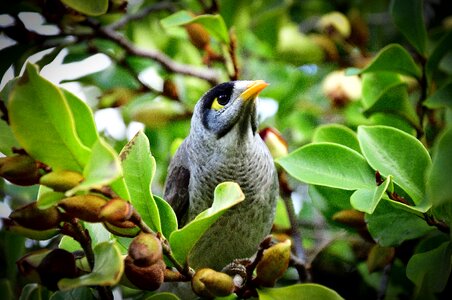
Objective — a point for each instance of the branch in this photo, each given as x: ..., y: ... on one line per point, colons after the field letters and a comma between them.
x: 167, y: 5
x: 166, y: 62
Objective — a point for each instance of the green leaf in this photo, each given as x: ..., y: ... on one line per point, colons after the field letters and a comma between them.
x: 441, y: 98
x: 384, y: 92
x: 7, y: 138
x: 83, y: 118
x: 409, y: 18
x: 168, y: 218
x: 330, y: 165
x: 329, y: 200
x: 88, y: 7
x: 34, y: 291
x: 102, y: 169
x: 42, y: 122
x: 338, y: 134
x: 440, y: 50
x: 439, y: 189
x: 390, y: 224
x: 162, y: 296
x: 48, y: 198
x: 393, y: 58
x: 366, y: 200
x: 226, y: 195
x: 97, y: 233
x: 394, y: 152
x: 281, y: 217
x: 139, y: 168
x: 108, y: 269
x: 69, y: 244
x: 430, y: 270
x: 74, y: 294
x: 304, y: 291
x: 214, y: 24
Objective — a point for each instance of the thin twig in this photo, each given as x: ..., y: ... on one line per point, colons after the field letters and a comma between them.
x: 420, y: 108
x: 159, y: 6
x: 166, y: 62
x: 83, y: 237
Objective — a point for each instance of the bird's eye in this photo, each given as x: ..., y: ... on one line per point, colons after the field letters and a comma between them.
x: 219, y: 102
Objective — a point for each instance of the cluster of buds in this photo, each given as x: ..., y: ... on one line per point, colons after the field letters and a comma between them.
x: 144, y: 266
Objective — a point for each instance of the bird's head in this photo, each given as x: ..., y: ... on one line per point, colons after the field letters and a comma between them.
x: 227, y: 109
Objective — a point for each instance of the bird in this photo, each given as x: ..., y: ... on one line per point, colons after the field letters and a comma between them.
x: 224, y: 145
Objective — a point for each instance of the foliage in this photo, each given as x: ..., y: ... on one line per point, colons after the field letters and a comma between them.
x: 363, y: 151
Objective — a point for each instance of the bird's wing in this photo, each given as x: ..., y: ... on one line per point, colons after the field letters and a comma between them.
x: 176, y: 186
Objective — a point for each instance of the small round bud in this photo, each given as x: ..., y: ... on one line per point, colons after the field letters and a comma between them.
x: 335, y: 24
x: 61, y: 180
x: 209, y: 283
x: 84, y: 207
x: 30, y: 216
x: 275, y: 142
x: 198, y: 35
x: 124, y: 229
x: 273, y: 264
x: 350, y: 217
x: 56, y: 265
x: 116, y: 210
x: 147, y: 278
x: 145, y: 250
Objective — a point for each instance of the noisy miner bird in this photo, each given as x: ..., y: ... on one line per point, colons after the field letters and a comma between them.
x: 223, y: 145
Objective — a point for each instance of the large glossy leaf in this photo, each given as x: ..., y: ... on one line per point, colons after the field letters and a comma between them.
x: 43, y: 123
x: 7, y: 138
x: 384, y: 92
x: 390, y: 224
x: 439, y: 189
x: 108, y: 269
x: 102, y: 169
x: 430, y: 270
x: 392, y: 58
x: 366, y: 200
x: 408, y: 17
x: 226, y: 195
x: 330, y: 165
x: 336, y: 133
x: 139, y: 168
x: 214, y: 24
x: 394, y: 152
x: 88, y: 7
x: 305, y: 291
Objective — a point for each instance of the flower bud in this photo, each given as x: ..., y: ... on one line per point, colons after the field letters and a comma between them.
x: 275, y: 142
x: 39, y: 235
x: 209, y: 283
x: 61, y: 180
x: 341, y: 89
x: 48, y: 266
x: 198, y: 35
x: 56, y: 265
x: 30, y: 216
x: 145, y: 250
x: 146, y: 278
x: 20, y: 169
x: 125, y: 229
x: 335, y: 24
x: 84, y: 207
x: 116, y: 210
x: 273, y: 264
x: 28, y: 264
x: 379, y: 257
x: 350, y: 217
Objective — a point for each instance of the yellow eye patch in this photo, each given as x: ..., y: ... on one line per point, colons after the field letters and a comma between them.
x: 216, y: 105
